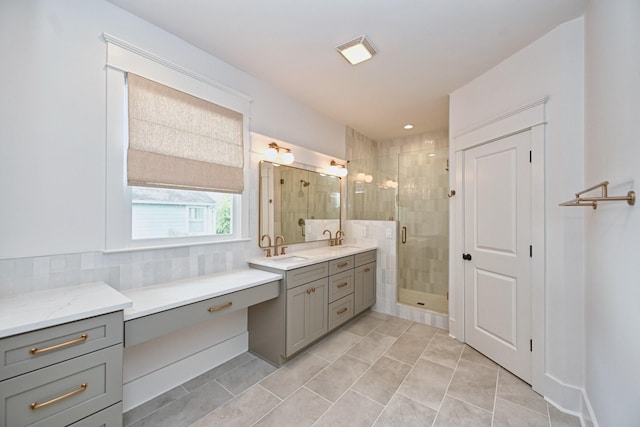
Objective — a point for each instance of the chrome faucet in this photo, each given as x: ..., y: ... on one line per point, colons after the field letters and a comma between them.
x: 339, y: 239
x: 275, y: 246
x: 268, y: 248
x: 331, y: 241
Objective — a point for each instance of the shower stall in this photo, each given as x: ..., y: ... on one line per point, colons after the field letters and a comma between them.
x: 410, y: 188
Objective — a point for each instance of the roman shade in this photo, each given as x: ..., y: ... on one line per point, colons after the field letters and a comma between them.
x: 177, y: 140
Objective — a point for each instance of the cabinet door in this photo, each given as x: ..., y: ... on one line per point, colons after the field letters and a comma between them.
x: 297, y: 335
x: 306, y: 314
x: 317, y: 309
x: 365, y: 287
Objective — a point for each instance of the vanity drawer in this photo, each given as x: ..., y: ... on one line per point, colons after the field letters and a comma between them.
x: 340, y: 285
x: 340, y: 311
x: 300, y: 276
x: 26, y: 352
x: 110, y: 417
x: 341, y: 264
x: 61, y: 394
x: 365, y: 258
x: 154, y: 325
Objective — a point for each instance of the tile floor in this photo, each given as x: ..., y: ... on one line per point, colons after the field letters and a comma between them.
x: 376, y: 370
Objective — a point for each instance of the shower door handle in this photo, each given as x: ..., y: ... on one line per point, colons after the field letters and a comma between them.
x: 404, y: 234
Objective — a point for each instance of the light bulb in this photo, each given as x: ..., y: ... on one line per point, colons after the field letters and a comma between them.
x: 368, y: 178
x: 270, y: 154
x: 287, y: 158
x: 361, y: 176
x: 342, y: 172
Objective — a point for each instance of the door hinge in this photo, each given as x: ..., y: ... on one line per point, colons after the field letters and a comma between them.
x: 530, y: 155
x: 530, y: 251
x: 531, y: 345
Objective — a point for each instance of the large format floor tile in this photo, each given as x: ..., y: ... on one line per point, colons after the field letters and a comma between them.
x: 376, y: 370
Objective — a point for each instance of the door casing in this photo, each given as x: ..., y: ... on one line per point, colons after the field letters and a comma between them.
x: 529, y: 117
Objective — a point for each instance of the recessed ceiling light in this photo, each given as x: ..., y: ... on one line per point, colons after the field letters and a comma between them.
x: 357, y: 50
x: 408, y: 126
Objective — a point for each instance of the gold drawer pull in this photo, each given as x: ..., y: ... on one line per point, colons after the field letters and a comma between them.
x: 342, y: 264
x: 220, y: 307
x: 343, y: 285
x: 342, y: 311
x: 36, y: 405
x: 366, y: 270
x: 37, y: 350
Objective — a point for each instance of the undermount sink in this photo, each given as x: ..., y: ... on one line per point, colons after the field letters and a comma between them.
x: 289, y: 258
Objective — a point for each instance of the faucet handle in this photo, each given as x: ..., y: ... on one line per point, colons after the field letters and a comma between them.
x: 268, y: 251
x: 282, y: 248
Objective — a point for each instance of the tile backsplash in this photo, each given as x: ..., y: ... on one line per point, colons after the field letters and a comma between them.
x: 122, y: 270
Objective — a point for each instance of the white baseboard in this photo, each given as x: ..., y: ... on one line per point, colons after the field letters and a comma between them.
x: 587, y: 417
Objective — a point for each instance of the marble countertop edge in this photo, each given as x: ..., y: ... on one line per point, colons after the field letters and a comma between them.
x: 36, y: 310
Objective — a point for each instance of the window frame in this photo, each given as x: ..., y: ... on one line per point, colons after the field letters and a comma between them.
x: 122, y: 58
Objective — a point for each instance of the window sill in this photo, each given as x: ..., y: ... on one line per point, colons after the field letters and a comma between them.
x: 172, y: 245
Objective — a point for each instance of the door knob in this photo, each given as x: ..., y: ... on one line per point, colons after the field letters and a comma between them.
x: 466, y: 257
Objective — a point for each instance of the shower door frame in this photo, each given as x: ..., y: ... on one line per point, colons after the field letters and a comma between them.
x: 532, y: 117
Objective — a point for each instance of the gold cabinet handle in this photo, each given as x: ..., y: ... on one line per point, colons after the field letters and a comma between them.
x: 343, y: 285
x: 366, y: 270
x: 341, y: 311
x: 220, y: 307
x: 36, y: 405
x: 342, y: 264
x: 36, y: 350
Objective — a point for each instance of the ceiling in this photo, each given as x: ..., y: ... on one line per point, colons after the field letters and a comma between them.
x: 426, y: 49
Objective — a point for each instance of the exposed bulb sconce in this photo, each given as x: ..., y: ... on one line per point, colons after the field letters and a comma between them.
x: 274, y: 150
x: 389, y: 183
x: 337, y: 169
x: 364, y: 177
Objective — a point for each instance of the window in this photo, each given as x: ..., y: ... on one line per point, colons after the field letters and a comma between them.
x: 168, y: 188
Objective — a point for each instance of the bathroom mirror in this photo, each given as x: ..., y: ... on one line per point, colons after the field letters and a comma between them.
x: 297, y: 204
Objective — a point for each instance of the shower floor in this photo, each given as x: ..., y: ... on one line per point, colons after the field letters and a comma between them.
x: 433, y: 302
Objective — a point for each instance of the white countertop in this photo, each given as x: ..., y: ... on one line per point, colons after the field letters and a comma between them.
x: 306, y: 257
x: 36, y: 310
x: 153, y: 299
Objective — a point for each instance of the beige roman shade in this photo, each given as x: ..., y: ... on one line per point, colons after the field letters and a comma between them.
x: 177, y: 140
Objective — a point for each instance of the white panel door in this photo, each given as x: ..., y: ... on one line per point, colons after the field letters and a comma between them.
x: 497, y: 275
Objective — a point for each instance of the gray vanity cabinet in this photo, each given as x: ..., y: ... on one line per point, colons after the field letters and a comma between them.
x: 63, y: 374
x: 313, y: 300
x: 364, y: 281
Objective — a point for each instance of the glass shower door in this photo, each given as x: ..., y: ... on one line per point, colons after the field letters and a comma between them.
x: 423, y: 216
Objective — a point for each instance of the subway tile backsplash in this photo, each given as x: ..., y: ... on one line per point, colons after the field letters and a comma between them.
x: 122, y: 270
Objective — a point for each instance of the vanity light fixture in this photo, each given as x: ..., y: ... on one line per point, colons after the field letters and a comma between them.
x: 272, y: 152
x: 337, y: 169
x: 357, y: 50
x: 364, y: 177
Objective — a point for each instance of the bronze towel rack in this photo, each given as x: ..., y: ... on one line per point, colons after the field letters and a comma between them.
x: 593, y: 201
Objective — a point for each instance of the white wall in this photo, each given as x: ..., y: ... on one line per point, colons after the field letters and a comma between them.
x: 52, y: 155
x: 52, y: 170
x: 612, y: 267
x: 551, y: 66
